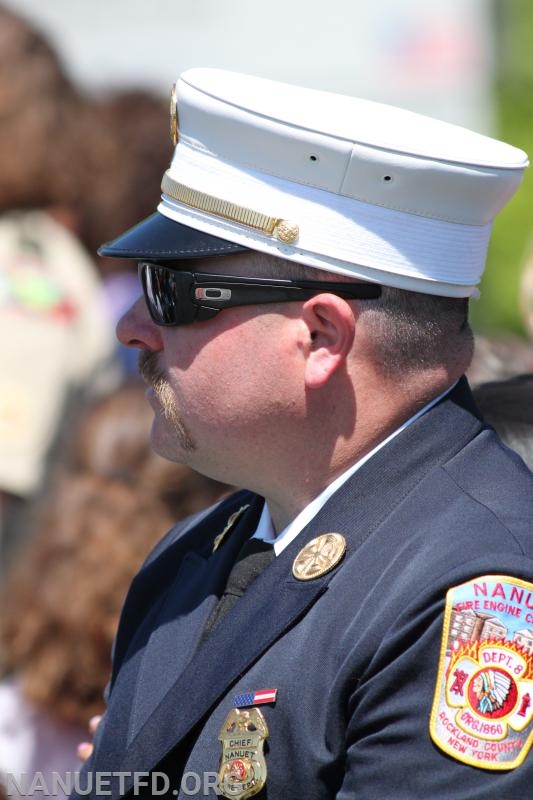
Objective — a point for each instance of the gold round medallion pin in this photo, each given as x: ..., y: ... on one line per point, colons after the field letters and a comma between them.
x: 319, y: 556
x: 174, y: 115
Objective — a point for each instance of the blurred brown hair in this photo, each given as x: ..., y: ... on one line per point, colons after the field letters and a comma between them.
x: 127, y: 151
x: 96, y: 161
x: 111, y: 501
x: 38, y: 109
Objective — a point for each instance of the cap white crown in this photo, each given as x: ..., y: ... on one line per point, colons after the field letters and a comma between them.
x: 335, y: 182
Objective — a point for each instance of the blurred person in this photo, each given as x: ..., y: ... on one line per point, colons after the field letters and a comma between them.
x: 38, y: 104
x: 110, y: 500
x: 126, y: 151
x: 125, y: 154
x: 57, y: 341
x: 499, y: 357
x: 526, y: 292
x: 507, y: 405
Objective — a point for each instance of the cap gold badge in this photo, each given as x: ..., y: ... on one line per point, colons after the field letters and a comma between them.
x: 319, y: 556
x: 173, y: 116
x: 287, y: 231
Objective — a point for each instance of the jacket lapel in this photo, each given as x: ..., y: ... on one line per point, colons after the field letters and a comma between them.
x: 276, y: 600
x: 195, y: 590
x: 165, y: 640
x: 174, y: 637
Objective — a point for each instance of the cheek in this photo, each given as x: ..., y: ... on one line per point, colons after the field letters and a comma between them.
x: 232, y: 381
x: 207, y: 382
x: 236, y: 371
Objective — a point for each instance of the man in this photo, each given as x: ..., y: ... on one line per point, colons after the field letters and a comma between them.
x: 303, y: 330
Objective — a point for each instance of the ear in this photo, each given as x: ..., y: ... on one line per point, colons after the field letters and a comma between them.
x: 330, y: 322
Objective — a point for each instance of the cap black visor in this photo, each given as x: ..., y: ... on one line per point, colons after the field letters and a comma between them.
x: 158, y: 237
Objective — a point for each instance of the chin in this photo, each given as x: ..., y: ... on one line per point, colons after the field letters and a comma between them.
x: 166, y: 442
x: 160, y: 439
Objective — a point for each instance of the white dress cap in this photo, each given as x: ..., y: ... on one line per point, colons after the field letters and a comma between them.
x: 338, y: 183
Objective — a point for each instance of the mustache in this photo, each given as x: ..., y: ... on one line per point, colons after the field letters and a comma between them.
x: 154, y: 376
x: 149, y: 369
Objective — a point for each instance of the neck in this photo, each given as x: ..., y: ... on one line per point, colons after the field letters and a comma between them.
x: 329, y: 449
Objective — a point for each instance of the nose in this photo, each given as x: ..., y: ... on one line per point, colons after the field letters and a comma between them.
x: 136, y: 328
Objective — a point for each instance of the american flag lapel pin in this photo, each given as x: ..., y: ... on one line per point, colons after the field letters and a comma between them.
x: 256, y: 698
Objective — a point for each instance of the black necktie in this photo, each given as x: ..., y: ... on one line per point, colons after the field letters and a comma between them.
x: 253, y: 557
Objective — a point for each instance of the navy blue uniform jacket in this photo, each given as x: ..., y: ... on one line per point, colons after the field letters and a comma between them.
x: 353, y: 654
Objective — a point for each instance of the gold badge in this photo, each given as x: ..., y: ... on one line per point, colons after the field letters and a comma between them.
x: 242, y: 772
x: 173, y: 116
x: 319, y: 556
x: 230, y: 524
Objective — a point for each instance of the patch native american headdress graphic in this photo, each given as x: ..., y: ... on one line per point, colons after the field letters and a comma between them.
x: 492, y: 690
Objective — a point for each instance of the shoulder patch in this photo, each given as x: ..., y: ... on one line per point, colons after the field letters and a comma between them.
x: 482, y: 711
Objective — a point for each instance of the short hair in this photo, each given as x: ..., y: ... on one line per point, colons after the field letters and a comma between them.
x: 507, y: 405
x: 413, y: 331
x: 410, y: 331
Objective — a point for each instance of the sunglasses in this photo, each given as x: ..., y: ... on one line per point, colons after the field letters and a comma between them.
x: 175, y: 297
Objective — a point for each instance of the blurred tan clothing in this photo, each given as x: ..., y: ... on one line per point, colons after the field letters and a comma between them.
x: 55, y: 338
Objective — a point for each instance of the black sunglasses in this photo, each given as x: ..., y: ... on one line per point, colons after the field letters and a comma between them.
x: 175, y: 297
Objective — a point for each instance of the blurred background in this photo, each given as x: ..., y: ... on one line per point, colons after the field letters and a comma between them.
x: 84, y: 89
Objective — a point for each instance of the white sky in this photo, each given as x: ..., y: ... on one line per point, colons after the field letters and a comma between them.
x: 432, y: 56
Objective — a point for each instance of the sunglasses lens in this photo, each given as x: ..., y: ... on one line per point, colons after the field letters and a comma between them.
x: 162, y: 294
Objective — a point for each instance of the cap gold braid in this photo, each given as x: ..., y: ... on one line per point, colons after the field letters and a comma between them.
x: 284, y: 230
